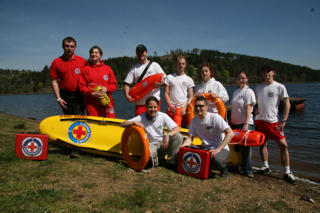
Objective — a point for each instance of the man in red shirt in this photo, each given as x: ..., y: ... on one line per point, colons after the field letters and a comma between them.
x: 64, y: 74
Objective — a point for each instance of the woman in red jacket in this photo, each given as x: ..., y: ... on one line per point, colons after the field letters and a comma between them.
x: 97, y: 82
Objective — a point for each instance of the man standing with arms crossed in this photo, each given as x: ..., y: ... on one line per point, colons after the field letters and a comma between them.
x: 134, y: 75
x: 269, y: 94
x: 64, y: 74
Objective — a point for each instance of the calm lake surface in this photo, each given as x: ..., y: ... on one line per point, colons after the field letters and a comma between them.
x: 302, y: 129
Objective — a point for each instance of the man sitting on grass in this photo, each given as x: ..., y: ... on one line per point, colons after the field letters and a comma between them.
x: 154, y: 123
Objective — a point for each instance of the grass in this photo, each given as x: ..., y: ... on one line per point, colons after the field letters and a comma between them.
x: 98, y: 184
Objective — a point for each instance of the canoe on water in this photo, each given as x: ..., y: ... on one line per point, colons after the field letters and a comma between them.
x: 102, y: 136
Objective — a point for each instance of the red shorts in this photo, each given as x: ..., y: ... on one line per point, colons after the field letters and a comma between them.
x: 142, y: 108
x: 269, y: 130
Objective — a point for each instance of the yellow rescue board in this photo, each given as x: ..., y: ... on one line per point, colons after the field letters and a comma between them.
x: 99, y: 135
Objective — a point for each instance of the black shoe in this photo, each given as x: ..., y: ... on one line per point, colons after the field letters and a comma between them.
x: 224, y: 173
x: 264, y: 171
x: 250, y: 175
x: 74, y: 154
x: 173, y: 167
x: 290, y: 178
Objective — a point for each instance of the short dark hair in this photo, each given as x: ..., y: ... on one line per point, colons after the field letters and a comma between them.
x: 69, y: 39
x: 152, y: 98
x: 267, y: 67
x: 201, y: 98
x: 141, y: 48
x: 96, y: 47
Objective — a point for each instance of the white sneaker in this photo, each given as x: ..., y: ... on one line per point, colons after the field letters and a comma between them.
x: 264, y: 170
x: 290, y: 178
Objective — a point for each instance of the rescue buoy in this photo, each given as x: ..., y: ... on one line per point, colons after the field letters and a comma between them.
x: 145, y: 86
x: 217, y: 101
x: 248, y: 138
x: 135, y: 142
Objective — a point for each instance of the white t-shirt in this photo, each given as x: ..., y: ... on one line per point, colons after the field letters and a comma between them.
x: 241, y: 98
x: 269, y: 97
x: 134, y: 75
x: 210, y: 130
x: 178, y: 88
x: 154, y: 129
x: 213, y: 86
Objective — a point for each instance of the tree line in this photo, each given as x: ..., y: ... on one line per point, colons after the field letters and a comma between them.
x: 226, y: 68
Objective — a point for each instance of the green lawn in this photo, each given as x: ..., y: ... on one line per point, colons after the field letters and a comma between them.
x: 96, y: 184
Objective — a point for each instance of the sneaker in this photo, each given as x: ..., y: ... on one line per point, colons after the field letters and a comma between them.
x: 264, y: 170
x: 250, y: 175
x: 74, y: 154
x: 241, y: 171
x: 290, y: 178
x: 223, y: 173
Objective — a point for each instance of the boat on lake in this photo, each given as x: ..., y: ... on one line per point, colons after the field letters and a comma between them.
x: 297, y: 105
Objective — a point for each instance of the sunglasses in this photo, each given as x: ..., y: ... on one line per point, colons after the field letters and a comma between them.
x: 196, y: 106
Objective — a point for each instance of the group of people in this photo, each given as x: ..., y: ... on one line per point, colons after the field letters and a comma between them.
x: 79, y: 84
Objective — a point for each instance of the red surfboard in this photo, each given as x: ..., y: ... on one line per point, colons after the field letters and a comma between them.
x: 145, y: 86
x: 248, y: 138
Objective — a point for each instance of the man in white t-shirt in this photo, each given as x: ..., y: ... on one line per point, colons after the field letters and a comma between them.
x: 214, y: 133
x: 134, y: 75
x: 269, y: 94
x: 178, y: 92
x: 154, y: 123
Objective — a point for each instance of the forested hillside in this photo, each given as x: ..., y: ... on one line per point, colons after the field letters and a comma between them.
x: 227, y: 66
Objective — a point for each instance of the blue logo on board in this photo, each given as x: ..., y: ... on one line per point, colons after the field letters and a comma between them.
x: 79, y: 132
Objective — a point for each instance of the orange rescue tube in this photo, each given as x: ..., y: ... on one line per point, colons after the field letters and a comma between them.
x: 135, y: 139
x: 217, y: 101
x: 145, y: 86
x: 248, y: 138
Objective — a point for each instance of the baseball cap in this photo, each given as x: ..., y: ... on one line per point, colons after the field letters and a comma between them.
x: 141, y: 48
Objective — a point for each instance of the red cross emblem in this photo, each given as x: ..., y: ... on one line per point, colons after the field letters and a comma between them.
x: 79, y: 132
x: 32, y: 147
x: 191, y: 162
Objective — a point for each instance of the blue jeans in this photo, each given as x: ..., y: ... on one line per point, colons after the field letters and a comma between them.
x: 245, y: 151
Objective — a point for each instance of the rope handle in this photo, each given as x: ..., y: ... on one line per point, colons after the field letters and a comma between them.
x: 244, y: 137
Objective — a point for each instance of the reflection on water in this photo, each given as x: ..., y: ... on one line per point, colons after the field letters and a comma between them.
x: 302, y: 129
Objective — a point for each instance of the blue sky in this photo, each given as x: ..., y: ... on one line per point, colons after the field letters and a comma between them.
x: 32, y: 30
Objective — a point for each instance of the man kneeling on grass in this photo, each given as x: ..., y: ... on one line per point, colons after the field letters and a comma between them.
x: 214, y: 133
x: 154, y: 123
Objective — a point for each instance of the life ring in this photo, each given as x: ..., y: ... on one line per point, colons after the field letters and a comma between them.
x: 137, y: 139
x: 248, y: 138
x: 145, y: 86
x: 217, y: 101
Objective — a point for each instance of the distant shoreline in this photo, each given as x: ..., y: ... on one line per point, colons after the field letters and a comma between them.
x: 49, y: 90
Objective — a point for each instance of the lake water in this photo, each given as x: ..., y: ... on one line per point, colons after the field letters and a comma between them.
x: 302, y: 129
